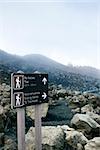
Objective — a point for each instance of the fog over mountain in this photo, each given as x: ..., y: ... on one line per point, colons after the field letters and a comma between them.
x: 39, y: 61
x: 58, y: 73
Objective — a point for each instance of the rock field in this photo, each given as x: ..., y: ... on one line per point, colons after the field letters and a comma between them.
x: 83, y: 132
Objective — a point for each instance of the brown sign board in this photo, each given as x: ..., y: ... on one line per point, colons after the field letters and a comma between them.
x: 28, y: 89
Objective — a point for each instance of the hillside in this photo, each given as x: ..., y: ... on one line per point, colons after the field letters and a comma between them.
x: 75, y: 78
x: 40, y: 60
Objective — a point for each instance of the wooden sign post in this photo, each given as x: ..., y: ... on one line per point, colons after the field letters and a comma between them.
x: 27, y: 90
x: 21, y: 128
x: 16, y: 100
x: 38, y: 134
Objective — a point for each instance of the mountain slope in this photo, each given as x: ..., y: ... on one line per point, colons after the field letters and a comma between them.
x: 37, y: 61
x: 77, y: 78
x: 44, y: 62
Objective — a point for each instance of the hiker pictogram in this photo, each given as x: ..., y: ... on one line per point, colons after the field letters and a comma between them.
x: 18, y: 100
x: 18, y: 82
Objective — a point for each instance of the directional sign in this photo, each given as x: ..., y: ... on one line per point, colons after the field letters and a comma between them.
x: 28, y: 89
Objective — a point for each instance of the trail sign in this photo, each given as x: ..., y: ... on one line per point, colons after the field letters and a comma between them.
x: 28, y: 89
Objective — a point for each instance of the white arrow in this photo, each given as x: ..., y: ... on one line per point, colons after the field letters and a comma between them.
x: 44, y: 80
x: 44, y: 95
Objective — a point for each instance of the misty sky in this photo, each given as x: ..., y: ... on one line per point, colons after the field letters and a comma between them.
x: 66, y: 31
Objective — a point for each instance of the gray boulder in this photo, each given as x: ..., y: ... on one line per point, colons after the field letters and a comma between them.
x: 93, y: 144
x: 30, y: 111
x: 6, y: 94
x: 97, y: 110
x: 87, y: 108
x: 76, y: 139
x: 77, y: 110
x: 84, y: 122
x: 10, y: 143
x: 7, y: 88
x: 61, y: 93
x: 52, y: 138
x: 94, y: 116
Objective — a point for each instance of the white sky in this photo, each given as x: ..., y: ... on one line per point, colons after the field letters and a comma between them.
x: 66, y: 31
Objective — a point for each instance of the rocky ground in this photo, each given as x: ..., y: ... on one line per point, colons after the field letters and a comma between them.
x: 80, y: 132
